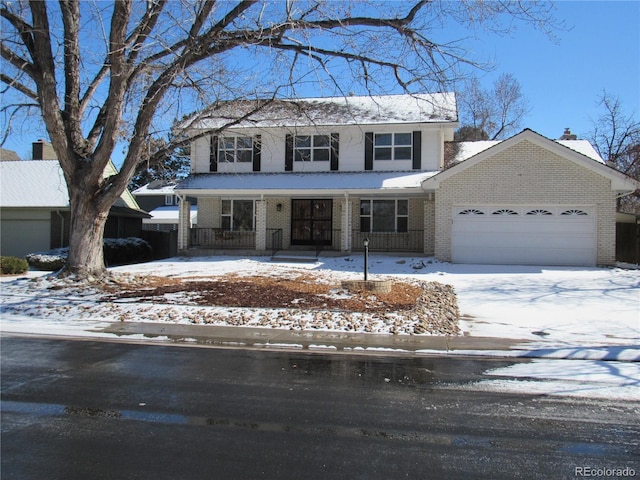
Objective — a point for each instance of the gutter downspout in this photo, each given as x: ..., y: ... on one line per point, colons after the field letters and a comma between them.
x: 61, y: 227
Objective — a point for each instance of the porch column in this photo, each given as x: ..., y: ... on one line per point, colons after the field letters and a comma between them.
x: 261, y: 225
x: 429, y: 225
x: 346, y: 224
x: 184, y: 223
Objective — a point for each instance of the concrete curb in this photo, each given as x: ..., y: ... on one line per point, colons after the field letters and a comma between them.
x: 264, y: 338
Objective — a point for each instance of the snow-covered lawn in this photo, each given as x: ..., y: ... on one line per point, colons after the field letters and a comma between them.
x: 556, y: 307
x: 562, y: 305
x: 592, y: 314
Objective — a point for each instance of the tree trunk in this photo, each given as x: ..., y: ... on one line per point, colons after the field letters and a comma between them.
x: 88, y: 219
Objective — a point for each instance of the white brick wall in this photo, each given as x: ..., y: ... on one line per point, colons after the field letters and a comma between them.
x: 527, y: 174
x: 261, y: 224
x: 429, y: 207
x: 209, y: 211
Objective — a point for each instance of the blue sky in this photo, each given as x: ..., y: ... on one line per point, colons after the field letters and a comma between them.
x: 562, y: 80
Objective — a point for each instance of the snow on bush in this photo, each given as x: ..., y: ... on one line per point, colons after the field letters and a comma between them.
x: 117, y: 251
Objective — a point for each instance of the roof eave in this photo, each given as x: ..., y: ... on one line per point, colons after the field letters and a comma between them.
x: 210, y: 192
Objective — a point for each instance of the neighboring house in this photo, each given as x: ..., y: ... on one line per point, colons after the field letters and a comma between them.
x: 8, y: 155
x: 331, y: 172
x: 34, y: 206
x: 159, y: 199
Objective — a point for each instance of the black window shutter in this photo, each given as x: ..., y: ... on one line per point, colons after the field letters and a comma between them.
x: 213, y: 153
x: 417, y: 150
x: 335, y: 150
x: 368, y: 151
x: 257, y: 152
x: 288, y: 153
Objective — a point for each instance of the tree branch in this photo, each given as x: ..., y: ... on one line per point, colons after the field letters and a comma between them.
x: 22, y: 88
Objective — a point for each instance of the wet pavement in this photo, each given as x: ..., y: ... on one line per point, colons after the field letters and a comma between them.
x: 95, y: 409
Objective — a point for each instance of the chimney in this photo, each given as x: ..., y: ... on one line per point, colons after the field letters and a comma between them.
x: 567, y: 135
x: 43, y: 151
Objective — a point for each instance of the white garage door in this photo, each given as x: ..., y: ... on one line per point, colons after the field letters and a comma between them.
x: 530, y: 235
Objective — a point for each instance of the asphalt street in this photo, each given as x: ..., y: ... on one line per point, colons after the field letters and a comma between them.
x: 87, y: 409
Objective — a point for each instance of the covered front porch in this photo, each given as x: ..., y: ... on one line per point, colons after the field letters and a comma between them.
x: 304, y: 225
x: 262, y: 221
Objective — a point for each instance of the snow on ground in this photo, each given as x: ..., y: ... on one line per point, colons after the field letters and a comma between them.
x: 582, y: 378
x: 562, y: 305
x: 590, y: 314
x: 554, y: 307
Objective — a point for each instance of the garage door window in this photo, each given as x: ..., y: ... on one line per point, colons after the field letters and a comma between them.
x: 471, y: 211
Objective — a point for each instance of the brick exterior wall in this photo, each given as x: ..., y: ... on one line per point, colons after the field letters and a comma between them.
x: 280, y: 219
x: 429, y: 207
x: 183, y: 225
x: 209, y: 212
x: 527, y: 174
x: 261, y: 224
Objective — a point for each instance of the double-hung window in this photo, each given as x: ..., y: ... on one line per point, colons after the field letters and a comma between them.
x: 384, y: 216
x: 238, y: 215
x: 311, y: 148
x: 235, y: 149
x: 392, y: 146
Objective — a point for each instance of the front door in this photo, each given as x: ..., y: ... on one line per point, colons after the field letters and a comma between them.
x: 311, y: 222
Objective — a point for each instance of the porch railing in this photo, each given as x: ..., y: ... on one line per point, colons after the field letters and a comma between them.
x: 410, y: 241
x: 274, y: 240
x: 220, y: 239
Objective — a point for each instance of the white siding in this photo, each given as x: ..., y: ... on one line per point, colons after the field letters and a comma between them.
x: 351, y: 155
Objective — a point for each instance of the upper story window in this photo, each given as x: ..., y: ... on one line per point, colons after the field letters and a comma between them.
x: 235, y: 149
x: 392, y: 146
x: 171, y: 200
x: 311, y: 148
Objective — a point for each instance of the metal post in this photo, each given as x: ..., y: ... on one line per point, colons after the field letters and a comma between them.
x: 366, y: 258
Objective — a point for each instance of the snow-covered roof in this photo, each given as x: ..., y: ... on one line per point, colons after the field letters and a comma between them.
x: 155, y: 188
x: 582, y: 146
x: 33, y: 183
x: 469, y: 149
x: 41, y: 183
x: 335, y: 182
x: 169, y: 214
x: 352, y: 110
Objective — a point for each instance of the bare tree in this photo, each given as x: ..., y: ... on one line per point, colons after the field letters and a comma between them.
x: 616, y: 137
x: 491, y: 114
x: 101, y: 73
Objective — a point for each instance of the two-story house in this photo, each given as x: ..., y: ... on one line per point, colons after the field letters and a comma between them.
x: 331, y: 172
